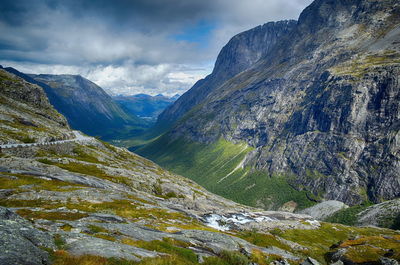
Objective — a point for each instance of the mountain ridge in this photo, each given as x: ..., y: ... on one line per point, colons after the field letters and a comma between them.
x: 73, y: 95
x: 319, y: 110
x: 145, y: 106
x: 238, y: 54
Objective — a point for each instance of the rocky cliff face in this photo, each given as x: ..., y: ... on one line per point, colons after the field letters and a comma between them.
x: 75, y: 96
x: 241, y: 52
x: 26, y: 114
x: 86, y: 106
x: 321, y: 108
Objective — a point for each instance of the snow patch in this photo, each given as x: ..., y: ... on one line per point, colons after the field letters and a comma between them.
x: 225, y: 223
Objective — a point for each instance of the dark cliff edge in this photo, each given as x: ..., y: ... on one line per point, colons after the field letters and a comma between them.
x: 242, y: 51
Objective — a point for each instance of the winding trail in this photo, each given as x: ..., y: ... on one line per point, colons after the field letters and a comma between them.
x: 79, y: 137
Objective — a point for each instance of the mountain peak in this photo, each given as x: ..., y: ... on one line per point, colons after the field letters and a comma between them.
x: 240, y: 53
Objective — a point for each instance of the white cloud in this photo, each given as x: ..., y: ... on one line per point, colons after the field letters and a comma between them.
x: 127, y: 79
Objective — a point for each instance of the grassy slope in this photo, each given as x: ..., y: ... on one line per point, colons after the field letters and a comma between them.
x: 213, y: 166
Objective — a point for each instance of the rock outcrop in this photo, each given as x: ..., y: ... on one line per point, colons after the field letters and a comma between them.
x: 323, y: 210
x: 26, y: 114
x: 20, y: 242
x: 385, y: 214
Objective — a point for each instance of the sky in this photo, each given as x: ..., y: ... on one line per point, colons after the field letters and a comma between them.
x: 129, y: 46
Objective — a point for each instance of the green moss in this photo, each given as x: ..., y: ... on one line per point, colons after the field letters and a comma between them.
x: 38, y: 183
x: 262, y: 240
x: 360, y: 66
x: 347, y: 216
x: 320, y: 241
x: 228, y: 258
x: 369, y: 249
x: 105, y: 237
x: 130, y: 210
x: 173, y: 194
x: 28, y: 140
x: 51, y: 215
x: 169, y: 246
x: 96, y: 229
x: 66, y: 227
x: 46, y: 161
x: 89, y: 169
x: 24, y: 203
x: 86, y: 169
x: 59, y: 241
x: 364, y: 254
x: 81, y: 154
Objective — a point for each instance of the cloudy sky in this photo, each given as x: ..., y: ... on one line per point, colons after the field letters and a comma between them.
x: 129, y: 46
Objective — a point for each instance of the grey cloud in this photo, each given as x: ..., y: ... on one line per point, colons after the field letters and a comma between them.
x: 134, y: 35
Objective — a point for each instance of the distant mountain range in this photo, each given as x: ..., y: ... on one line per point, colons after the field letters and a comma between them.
x: 86, y: 106
x: 145, y: 106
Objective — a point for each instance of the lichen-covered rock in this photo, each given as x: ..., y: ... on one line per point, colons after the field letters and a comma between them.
x: 26, y: 116
x: 385, y: 214
x: 14, y: 87
x: 309, y: 261
x: 20, y: 242
x: 86, y: 245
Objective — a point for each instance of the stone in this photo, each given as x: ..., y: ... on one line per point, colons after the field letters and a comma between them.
x: 388, y: 261
x: 20, y: 242
x: 323, y: 210
x: 280, y: 262
x: 339, y: 262
x: 289, y: 206
x: 385, y: 214
x: 105, y: 248
x: 310, y: 261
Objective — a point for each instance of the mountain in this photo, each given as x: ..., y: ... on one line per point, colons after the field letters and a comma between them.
x: 144, y: 106
x: 86, y: 106
x: 26, y: 114
x: 315, y: 118
x: 242, y: 51
x: 66, y: 198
